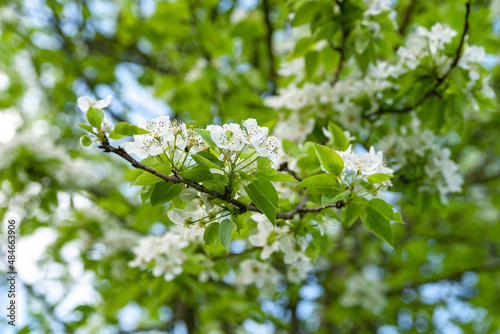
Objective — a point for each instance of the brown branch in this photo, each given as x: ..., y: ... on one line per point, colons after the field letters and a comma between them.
x: 440, y: 80
x: 269, y: 42
x: 341, y: 50
x: 407, y: 17
x: 283, y: 167
x: 300, y: 208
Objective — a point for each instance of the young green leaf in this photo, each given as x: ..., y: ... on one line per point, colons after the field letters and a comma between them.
x: 279, y: 177
x: 335, y: 199
x: 319, y: 181
x: 205, y: 134
x: 338, y: 140
x: 148, y: 178
x: 198, y: 174
x: 124, y: 129
x: 95, y: 117
x: 329, y: 159
x: 264, y: 196
x: 211, y: 234
x: 378, y: 224
x: 225, y: 233
x: 207, y: 159
x: 87, y: 127
x: 85, y: 140
x: 383, y: 208
x: 379, y: 178
x: 163, y: 192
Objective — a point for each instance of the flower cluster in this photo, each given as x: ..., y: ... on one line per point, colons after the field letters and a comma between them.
x: 234, y: 138
x: 173, y: 137
x: 164, y: 254
x: 366, y: 164
x: 441, y: 172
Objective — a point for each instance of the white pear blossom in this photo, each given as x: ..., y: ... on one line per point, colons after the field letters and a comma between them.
x: 471, y: 56
x: 229, y: 136
x: 106, y: 125
x: 260, y: 274
x: 366, y: 164
x: 254, y: 133
x: 165, y: 254
x: 85, y: 102
x: 261, y: 239
x: 294, y: 128
x: 375, y: 7
x: 153, y: 143
x: 268, y: 148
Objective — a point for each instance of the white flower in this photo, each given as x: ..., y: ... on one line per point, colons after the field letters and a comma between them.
x: 438, y: 36
x: 268, y: 148
x: 165, y: 253
x: 85, y: 102
x: 265, y: 228
x: 153, y: 143
x: 229, y: 136
x: 294, y: 128
x: 471, y: 56
x: 106, y: 125
x: 375, y: 7
x: 366, y: 164
x: 255, y: 272
x: 254, y: 133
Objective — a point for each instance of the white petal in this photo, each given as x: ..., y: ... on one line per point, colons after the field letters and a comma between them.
x: 84, y: 103
x: 103, y: 103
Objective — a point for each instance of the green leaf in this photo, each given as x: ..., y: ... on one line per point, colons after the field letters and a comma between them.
x: 339, y: 140
x: 335, y: 199
x: 163, y: 192
x: 379, y: 178
x: 264, y: 196
x: 87, y: 127
x: 329, y: 159
x: 305, y: 13
x: 95, y: 117
x: 85, y: 140
x: 350, y: 213
x: 205, y: 134
x: 207, y: 159
x: 152, y: 162
x: 280, y: 177
x: 148, y: 178
x: 124, y: 129
x: 198, y: 174
x: 225, y: 233
x: 319, y: 181
x: 377, y: 224
x: 211, y: 234
x: 382, y: 207
x: 397, y: 215
x: 312, y: 63
x: 146, y: 193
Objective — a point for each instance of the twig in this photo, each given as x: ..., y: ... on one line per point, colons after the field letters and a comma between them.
x: 283, y: 167
x: 341, y: 50
x: 269, y: 42
x: 407, y: 17
x: 440, y: 80
x: 300, y: 208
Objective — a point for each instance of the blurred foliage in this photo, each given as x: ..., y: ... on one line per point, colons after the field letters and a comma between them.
x: 201, y: 62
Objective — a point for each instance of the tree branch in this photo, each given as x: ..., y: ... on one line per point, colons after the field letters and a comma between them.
x: 300, y: 208
x: 440, y: 80
x: 407, y: 17
x: 269, y: 42
x: 341, y: 50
